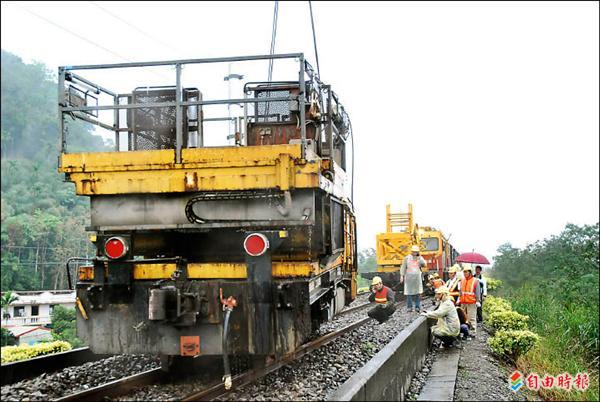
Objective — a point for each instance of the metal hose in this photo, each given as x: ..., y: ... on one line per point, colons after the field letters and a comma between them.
x: 227, y: 375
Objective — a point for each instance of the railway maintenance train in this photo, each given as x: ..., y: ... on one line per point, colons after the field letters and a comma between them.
x: 211, y: 251
x: 395, y: 243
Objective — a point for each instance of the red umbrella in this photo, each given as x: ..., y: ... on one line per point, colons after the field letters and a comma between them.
x: 473, y: 258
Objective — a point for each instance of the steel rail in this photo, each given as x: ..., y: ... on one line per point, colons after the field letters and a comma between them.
x: 25, y: 369
x: 116, y: 387
x: 127, y: 384
x: 218, y: 390
x: 353, y: 309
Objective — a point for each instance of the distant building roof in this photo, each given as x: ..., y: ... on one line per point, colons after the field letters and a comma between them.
x: 44, y: 297
x: 20, y: 330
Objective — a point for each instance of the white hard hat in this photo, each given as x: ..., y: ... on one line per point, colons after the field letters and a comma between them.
x: 442, y: 289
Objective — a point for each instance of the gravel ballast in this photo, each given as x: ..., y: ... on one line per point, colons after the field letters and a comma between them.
x: 324, y: 370
x: 312, y: 377
x: 78, y: 378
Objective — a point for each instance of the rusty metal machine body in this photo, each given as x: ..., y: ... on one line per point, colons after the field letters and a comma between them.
x: 260, y: 234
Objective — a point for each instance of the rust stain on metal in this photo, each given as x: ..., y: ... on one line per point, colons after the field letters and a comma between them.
x: 191, y: 181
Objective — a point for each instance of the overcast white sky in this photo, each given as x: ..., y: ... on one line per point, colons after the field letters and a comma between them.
x: 483, y: 115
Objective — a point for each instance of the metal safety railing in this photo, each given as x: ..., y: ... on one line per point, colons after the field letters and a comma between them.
x: 75, y: 102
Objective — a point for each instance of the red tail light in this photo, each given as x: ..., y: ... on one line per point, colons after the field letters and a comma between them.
x: 115, y: 247
x: 256, y: 244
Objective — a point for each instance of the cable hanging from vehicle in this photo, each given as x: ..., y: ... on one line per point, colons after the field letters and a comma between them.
x: 272, y: 52
x: 312, y: 22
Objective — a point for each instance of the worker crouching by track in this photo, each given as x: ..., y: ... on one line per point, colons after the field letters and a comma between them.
x: 384, y: 301
x: 447, y: 327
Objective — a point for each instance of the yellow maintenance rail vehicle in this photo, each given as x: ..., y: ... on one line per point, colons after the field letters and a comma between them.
x: 393, y: 245
x: 238, y: 249
x: 437, y: 251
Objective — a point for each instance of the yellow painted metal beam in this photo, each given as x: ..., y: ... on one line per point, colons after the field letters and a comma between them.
x: 117, y: 161
x: 203, y: 169
x: 223, y: 270
x: 165, y: 159
x: 208, y: 179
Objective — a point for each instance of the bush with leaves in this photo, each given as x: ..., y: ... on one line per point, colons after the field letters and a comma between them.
x: 23, y: 352
x: 492, y: 284
x: 513, y: 343
x: 507, y: 320
x: 8, y: 339
x: 495, y: 304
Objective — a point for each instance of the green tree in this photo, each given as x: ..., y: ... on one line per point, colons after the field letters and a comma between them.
x: 6, y: 299
x: 8, y: 339
x: 555, y: 282
x: 64, y: 326
x: 42, y: 219
x: 367, y: 260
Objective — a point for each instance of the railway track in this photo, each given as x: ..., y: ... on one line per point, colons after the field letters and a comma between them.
x: 29, y: 370
x: 25, y: 369
x: 117, y: 387
x: 219, y: 391
x: 216, y: 390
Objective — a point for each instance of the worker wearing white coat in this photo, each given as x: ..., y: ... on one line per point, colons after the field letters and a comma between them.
x: 410, y: 275
x: 447, y: 327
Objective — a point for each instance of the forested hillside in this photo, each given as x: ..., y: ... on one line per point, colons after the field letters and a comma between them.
x: 42, y: 219
x: 555, y: 282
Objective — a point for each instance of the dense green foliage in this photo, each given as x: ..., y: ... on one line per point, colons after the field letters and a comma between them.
x: 513, y: 343
x: 42, y: 219
x: 367, y: 262
x: 493, y: 304
x: 555, y: 282
x: 492, y: 284
x: 8, y: 339
x: 64, y: 327
x: 507, y: 320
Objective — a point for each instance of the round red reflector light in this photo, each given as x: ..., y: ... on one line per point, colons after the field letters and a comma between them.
x: 115, y: 247
x: 256, y: 244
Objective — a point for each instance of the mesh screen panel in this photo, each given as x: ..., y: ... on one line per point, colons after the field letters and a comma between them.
x: 280, y: 109
x: 154, y: 127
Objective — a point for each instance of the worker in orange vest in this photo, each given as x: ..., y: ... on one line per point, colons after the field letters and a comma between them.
x: 470, y: 297
x: 384, y: 301
x: 453, y: 283
x: 435, y: 281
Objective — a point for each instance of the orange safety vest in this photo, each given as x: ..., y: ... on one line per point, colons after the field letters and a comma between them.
x: 453, y: 291
x: 381, y: 295
x: 467, y: 291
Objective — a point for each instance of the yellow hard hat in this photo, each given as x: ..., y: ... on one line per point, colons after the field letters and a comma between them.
x: 468, y: 267
x: 442, y: 289
x: 415, y: 248
x: 376, y: 280
x: 434, y: 276
x: 454, y: 269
